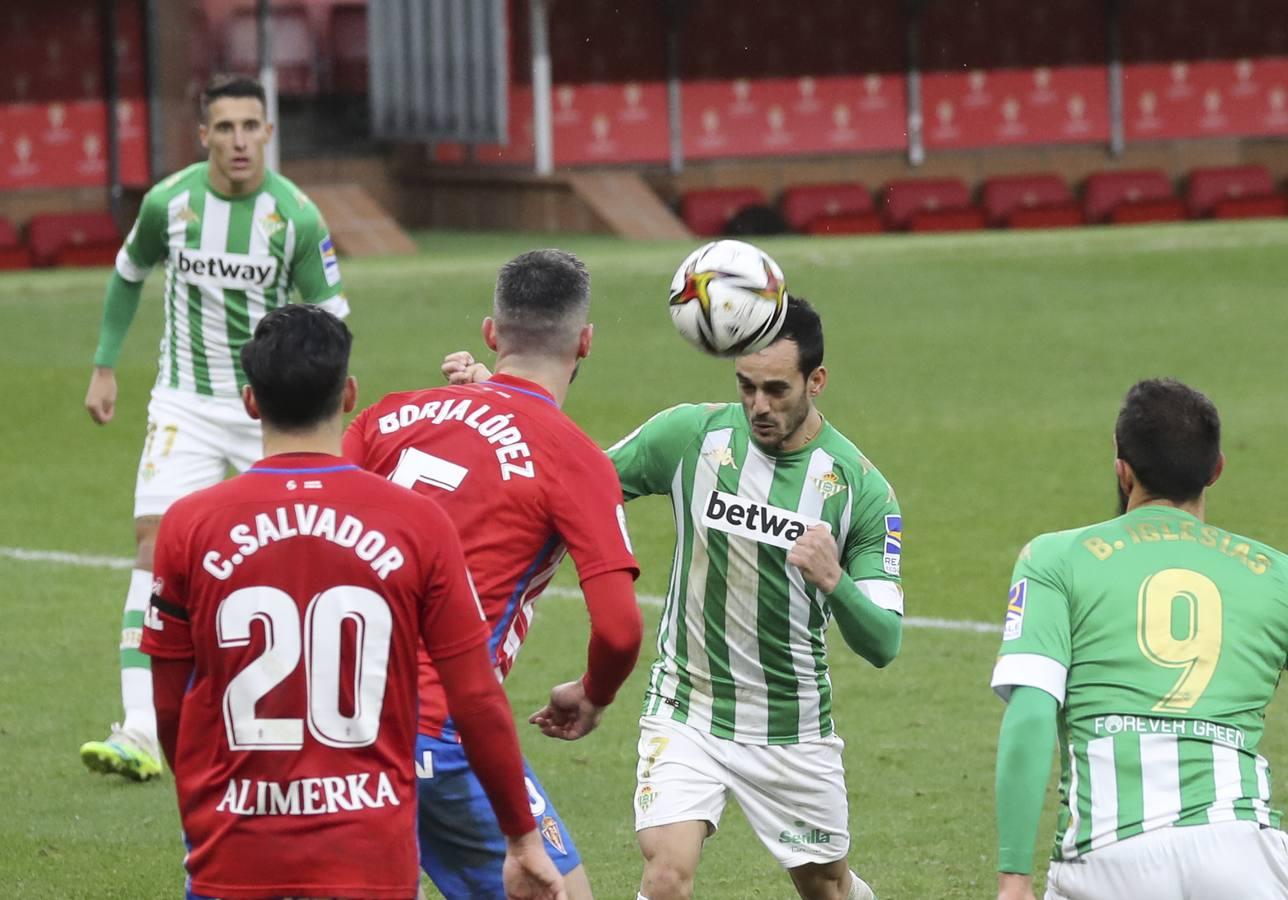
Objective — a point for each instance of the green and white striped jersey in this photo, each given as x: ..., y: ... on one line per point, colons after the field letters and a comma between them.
x: 741, y: 650
x: 228, y: 261
x: 1163, y: 640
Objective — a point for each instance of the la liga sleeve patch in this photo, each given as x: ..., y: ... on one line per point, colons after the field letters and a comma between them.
x: 330, y: 262
x: 1015, y: 610
x: 893, y: 556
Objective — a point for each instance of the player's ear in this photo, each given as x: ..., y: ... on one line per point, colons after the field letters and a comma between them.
x: 1217, y: 469
x: 489, y: 333
x: 1126, y: 476
x: 349, y: 399
x: 817, y: 381
x: 268, y: 132
x: 248, y: 401
x: 203, y: 133
x: 584, y: 339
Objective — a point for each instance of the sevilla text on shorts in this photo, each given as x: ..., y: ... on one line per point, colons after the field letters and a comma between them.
x: 308, y: 796
x: 304, y: 520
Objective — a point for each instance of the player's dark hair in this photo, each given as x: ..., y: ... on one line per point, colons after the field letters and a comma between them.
x: 296, y: 365
x: 230, y: 85
x: 1170, y: 434
x: 541, y: 300
x: 803, y: 326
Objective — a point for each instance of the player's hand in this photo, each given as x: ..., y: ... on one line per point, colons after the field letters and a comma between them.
x: 816, y: 555
x: 1014, y: 887
x: 461, y: 368
x: 528, y: 872
x: 100, y: 399
x: 569, y: 715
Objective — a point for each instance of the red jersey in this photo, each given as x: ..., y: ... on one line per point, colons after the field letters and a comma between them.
x: 521, y: 482
x: 301, y: 591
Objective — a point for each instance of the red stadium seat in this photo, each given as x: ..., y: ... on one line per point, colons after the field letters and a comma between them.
x: 707, y: 211
x: 13, y: 255
x: 349, y: 68
x: 845, y: 223
x: 294, y: 47
x: 967, y: 218
x: 1067, y: 215
x: 1005, y: 195
x: 1209, y: 186
x: 904, y: 198
x: 1166, y: 209
x: 73, y: 239
x: 1105, y: 192
x: 803, y: 203
x: 1265, y: 207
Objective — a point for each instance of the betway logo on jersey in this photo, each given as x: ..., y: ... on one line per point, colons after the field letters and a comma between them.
x: 760, y: 522
x: 234, y: 271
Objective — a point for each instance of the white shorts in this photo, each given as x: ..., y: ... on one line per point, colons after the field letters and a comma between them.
x: 191, y: 442
x: 1226, y: 861
x: 793, y: 795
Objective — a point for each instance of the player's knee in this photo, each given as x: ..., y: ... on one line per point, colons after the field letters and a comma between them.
x: 665, y: 880
x: 145, y: 540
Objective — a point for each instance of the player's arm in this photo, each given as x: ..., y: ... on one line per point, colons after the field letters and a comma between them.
x: 647, y: 457
x: 315, y: 269
x: 1030, y: 674
x: 585, y: 502
x: 1024, y: 750
x: 616, y: 629
x: 167, y: 636
x: 860, y: 578
x: 142, y: 249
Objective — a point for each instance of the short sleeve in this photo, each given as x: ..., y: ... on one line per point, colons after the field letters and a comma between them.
x: 451, y: 616
x: 145, y: 245
x: 167, y: 631
x: 588, y: 512
x: 315, y: 270
x: 874, y: 545
x: 1036, y: 640
x: 646, y: 458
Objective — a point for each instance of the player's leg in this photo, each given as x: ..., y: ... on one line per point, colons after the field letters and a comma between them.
x: 180, y: 455
x: 829, y: 881
x: 679, y: 796
x: 671, y: 856
x: 795, y: 799
x: 462, y: 849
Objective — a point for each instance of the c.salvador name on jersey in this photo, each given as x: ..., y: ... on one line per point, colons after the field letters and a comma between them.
x: 305, y: 520
x: 307, y: 796
x: 233, y: 271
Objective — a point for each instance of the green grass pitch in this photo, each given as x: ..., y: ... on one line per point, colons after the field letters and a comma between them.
x: 981, y: 373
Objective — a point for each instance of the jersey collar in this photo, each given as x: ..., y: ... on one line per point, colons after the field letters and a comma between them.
x: 289, y: 463
x: 523, y: 386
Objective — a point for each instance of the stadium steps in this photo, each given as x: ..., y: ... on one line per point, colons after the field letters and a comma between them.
x: 359, y: 225
x: 627, y: 205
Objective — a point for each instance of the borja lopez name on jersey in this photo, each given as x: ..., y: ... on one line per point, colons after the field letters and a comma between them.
x: 234, y: 271
x: 759, y: 522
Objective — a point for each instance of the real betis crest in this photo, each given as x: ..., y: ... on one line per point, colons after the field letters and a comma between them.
x: 829, y: 484
x: 272, y: 224
x: 646, y: 797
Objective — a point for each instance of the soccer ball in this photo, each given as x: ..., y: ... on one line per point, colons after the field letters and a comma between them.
x: 728, y: 298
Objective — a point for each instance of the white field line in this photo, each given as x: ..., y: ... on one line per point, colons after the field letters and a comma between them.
x: 57, y: 557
